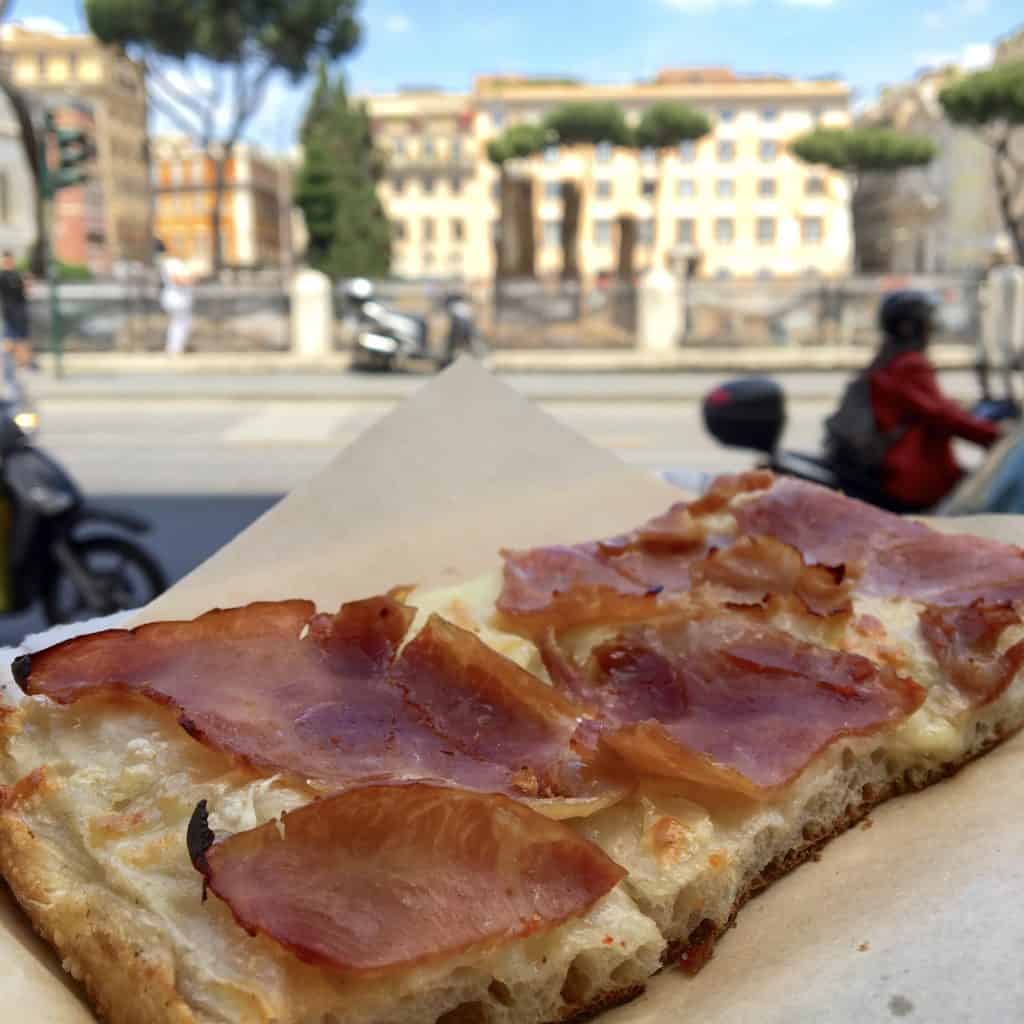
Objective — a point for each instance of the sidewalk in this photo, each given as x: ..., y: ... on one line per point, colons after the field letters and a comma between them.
x: 685, y: 375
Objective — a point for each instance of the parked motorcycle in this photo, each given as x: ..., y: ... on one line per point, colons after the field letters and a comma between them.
x: 51, y: 553
x: 750, y: 412
x: 391, y: 340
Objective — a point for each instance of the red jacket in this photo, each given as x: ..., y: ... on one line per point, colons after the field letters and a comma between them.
x: 920, y: 468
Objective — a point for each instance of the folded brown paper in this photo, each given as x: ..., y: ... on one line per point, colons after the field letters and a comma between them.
x: 915, y: 918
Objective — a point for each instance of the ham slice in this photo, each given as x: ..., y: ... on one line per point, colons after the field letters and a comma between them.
x: 383, y: 878
x: 329, y: 699
x: 716, y: 699
x: 965, y: 642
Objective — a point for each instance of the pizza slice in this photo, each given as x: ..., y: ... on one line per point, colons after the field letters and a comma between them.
x: 512, y: 800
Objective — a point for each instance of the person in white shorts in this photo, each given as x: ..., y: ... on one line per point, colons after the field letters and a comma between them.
x: 175, y: 299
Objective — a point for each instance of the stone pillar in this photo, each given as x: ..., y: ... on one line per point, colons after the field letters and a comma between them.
x: 659, y: 312
x: 312, y: 314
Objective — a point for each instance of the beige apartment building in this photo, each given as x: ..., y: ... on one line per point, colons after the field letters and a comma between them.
x: 53, y: 67
x: 736, y: 201
x: 253, y: 218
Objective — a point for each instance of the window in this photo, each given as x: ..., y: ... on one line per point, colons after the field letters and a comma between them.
x: 458, y: 230
x: 814, y: 186
x: 398, y: 230
x: 603, y: 189
x: 455, y: 149
x: 551, y: 154
x: 198, y: 171
x: 199, y: 204
x: 398, y: 147
x: 811, y: 229
x: 398, y: 185
x: 648, y: 155
x: 176, y: 173
x: 726, y: 151
x: 428, y: 229
x: 455, y: 258
x: 602, y: 232
x: 648, y: 188
x: 725, y: 188
x: 428, y: 259
x: 687, y: 188
x: 725, y: 230
x: 428, y: 149
x: 552, y: 190
x: 496, y: 191
x: 645, y: 232
x: 722, y: 274
x: 727, y: 115
x: 603, y: 153
x: 765, y: 274
x: 686, y: 231
x: 769, y: 114
x: 768, y: 150
x: 428, y: 184
x: 497, y: 117
x: 456, y: 185
x: 765, y: 230
x: 495, y: 230
x: 552, y: 233
x: 688, y: 151
x: 766, y: 187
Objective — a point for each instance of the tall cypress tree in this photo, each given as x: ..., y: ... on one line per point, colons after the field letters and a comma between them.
x: 336, y: 186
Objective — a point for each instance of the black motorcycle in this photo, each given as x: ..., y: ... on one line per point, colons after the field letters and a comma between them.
x: 54, y: 555
x: 751, y: 413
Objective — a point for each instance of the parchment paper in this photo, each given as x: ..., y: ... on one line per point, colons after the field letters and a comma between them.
x: 916, y: 918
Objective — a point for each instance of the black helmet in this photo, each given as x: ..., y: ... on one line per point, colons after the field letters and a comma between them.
x: 907, y: 316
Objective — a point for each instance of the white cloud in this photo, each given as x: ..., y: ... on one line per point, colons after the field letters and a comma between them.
x: 972, y: 57
x: 703, y: 6
x: 47, y: 26
x: 956, y: 10
x: 397, y: 23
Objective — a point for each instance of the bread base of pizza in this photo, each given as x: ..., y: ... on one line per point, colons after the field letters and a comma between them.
x: 641, y: 734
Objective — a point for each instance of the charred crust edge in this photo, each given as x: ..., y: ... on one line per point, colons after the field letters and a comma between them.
x: 199, y: 838
x: 21, y: 668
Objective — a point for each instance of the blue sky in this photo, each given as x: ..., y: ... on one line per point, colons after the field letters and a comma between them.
x: 447, y: 42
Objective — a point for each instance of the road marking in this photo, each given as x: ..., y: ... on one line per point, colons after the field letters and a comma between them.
x: 285, y: 424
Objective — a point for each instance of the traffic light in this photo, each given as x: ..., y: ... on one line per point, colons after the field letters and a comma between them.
x: 74, y: 149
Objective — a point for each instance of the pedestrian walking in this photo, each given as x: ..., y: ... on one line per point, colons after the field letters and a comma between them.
x: 176, y: 283
x: 14, y: 306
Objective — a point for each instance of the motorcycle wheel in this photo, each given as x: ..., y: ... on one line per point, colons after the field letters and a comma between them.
x: 129, y: 577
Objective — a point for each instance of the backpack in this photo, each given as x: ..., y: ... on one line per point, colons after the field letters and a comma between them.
x: 853, y: 438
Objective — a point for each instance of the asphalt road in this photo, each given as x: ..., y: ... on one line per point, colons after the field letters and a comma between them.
x: 202, y: 469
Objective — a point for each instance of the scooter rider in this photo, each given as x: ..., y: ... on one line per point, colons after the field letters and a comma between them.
x: 918, y: 467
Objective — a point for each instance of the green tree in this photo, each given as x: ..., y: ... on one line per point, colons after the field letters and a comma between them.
x: 663, y: 126
x: 581, y: 123
x: 336, y: 186
x: 515, y: 223
x: 992, y: 102
x: 862, y: 150
x: 208, y: 62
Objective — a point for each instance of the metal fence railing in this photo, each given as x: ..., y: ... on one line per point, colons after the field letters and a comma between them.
x: 254, y: 316
x: 99, y: 317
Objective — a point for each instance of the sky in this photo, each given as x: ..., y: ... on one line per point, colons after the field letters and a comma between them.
x: 445, y: 43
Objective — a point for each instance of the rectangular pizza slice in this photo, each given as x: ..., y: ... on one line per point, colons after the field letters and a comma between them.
x: 512, y: 800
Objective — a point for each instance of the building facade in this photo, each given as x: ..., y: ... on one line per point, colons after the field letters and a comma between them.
x: 53, y: 67
x: 736, y: 202
x: 252, y: 218
x: 940, y: 218
x: 17, y: 217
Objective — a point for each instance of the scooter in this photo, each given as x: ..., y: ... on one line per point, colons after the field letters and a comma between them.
x: 750, y: 412
x: 49, y: 552
x: 389, y: 340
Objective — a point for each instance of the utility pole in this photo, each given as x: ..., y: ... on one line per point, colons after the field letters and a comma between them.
x: 73, y: 149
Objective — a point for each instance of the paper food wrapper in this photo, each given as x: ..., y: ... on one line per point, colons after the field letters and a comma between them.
x: 916, y: 917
